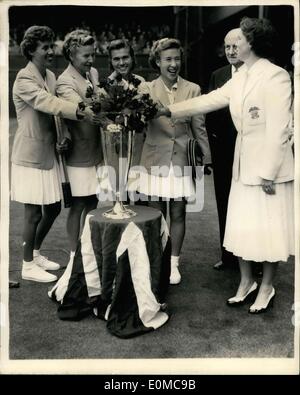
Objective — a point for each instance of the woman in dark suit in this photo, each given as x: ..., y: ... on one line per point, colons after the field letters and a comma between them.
x: 260, y: 217
x: 35, y: 178
x: 164, y: 154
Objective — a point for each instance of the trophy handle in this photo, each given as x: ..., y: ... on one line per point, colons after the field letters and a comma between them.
x: 102, y: 133
x: 129, y: 152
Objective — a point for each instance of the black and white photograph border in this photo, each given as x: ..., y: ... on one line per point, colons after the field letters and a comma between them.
x: 202, y: 335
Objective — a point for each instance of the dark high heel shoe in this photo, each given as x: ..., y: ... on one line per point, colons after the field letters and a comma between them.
x: 234, y: 302
x: 269, y: 304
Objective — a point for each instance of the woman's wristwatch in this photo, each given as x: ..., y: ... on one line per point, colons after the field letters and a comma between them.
x: 80, y: 111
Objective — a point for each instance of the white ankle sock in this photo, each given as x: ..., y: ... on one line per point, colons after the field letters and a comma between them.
x: 175, y: 260
x: 27, y: 265
x: 36, y: 253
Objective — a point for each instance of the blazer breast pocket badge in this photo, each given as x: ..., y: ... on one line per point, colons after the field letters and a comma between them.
x: 254, y: 112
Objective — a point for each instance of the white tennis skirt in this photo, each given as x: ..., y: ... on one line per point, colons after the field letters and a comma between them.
x: 35, y: 186
x: 83, y: 180
x: 170, y: 187
x: 260, y: 227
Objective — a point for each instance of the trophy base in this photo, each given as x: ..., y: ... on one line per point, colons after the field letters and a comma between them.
x: 119, y: 212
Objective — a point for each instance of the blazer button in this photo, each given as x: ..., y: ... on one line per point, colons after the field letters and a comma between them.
x: 175, y: 152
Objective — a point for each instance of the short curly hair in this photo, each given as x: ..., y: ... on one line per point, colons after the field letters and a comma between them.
x: 162, y: 45
x: 120, y: 44
x: 260, y: 34
x: 75, y: 39
x: 32, y: 36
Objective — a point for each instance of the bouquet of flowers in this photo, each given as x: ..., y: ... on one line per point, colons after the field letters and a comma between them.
x: 122, y: 103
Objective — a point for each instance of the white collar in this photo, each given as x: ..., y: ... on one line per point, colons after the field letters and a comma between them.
x: 234, y: 69
x: 174, y: 86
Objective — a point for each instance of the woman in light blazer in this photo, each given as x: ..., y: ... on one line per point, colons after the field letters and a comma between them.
x: 86, y: 151
x: 35, y: 178
x: 259, y: 225
x: 122, y: 62
x: 164, y: 156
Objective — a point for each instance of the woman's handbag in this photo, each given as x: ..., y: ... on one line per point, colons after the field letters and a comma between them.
x: 195, y: 157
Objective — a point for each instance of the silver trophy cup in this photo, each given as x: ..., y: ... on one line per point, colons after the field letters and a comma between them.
x: 117, y: 145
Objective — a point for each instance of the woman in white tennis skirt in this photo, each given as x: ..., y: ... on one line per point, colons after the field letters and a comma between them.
x: 260, y: 217
x: 35, y: 177
x: 164, y: 156
x: 86, y: 150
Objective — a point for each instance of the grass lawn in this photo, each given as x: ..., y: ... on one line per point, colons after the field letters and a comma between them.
x: 201, y: 325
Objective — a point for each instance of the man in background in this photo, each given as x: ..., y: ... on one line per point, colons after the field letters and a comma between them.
x: 222, y: 135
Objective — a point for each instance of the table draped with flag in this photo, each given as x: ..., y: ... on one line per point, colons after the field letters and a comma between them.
x: 120, y: 273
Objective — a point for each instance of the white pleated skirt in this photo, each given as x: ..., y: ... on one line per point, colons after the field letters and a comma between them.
x: 83, y: 180
x: 169, y: 187
x: 35, y: 186
x: 260, y: 227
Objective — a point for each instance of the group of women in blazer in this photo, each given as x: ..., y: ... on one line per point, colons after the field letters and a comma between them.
x: 260, y: 213
x: 35, y: 175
